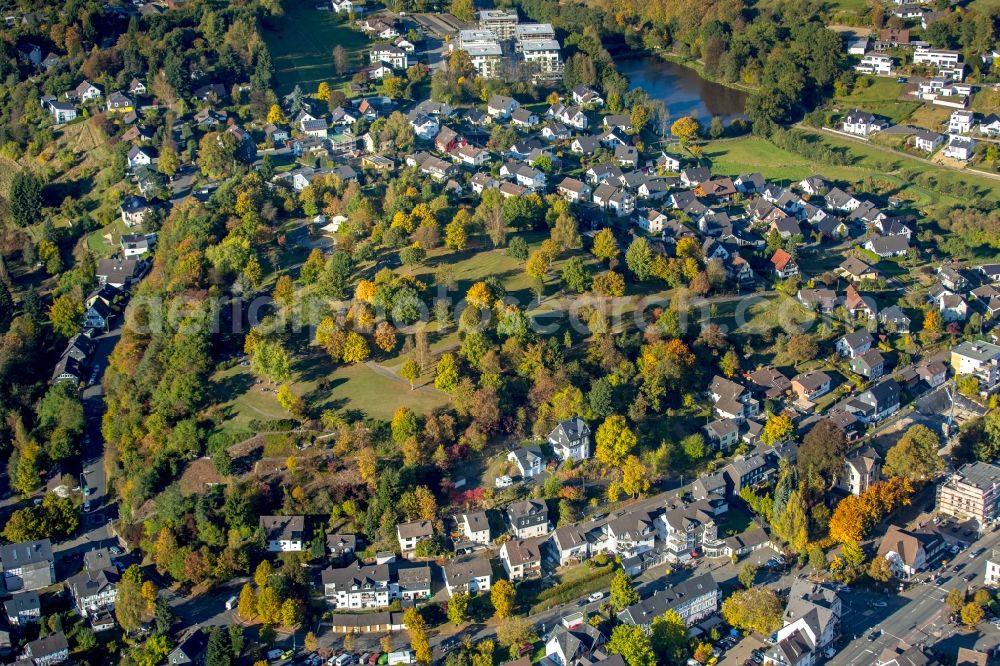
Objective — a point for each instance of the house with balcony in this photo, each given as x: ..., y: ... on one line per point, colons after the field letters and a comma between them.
x: 979, y: 358
x: 570, y: 440
x: 910, y: 551
x: 862, y: 469
x: 411, y: 533
x: 522, y: 558
x: 877, y: 403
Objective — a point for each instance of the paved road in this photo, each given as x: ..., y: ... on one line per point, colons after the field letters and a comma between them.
x: 915, y: 616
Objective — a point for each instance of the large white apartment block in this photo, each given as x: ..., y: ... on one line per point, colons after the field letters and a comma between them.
x: 543, y: 54
x: 484, y: 50
x: 501, y: 22
x: 529, y: 31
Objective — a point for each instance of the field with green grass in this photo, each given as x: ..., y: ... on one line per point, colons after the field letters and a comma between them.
x: 881, y: 98
x: 755, y: 154
x: 301, y: 44
x: 354, y: 388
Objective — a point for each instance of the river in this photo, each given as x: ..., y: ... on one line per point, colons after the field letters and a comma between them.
x: 682, y: 89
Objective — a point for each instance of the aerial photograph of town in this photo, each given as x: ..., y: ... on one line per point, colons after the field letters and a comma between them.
x: 485, y: 332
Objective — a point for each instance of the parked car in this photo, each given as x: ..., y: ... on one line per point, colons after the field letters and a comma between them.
x: 596, y: 596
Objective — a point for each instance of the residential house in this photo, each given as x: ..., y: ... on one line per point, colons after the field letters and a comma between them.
x: 811, y: 385
x: 470, y: 574
x: 723, y: 434
x: 926, y: 140
x: 523, y: 117
x: 23, y: 608
x: 693, y: 599
x: 862, y: 123
x: 585, y: 96
x: 888, y: 246
x: 94, y: 591
x: 412, y: 533
x: 614, y: 199
x: 27, y: 566
x: 960, y: 148
x: 521, y: 558
x: 140, y: 156
x: 62, y: 112
x: 837, y: 199
x: 571, y: 542
x: 857, y: 270
x: 52, y: 649
x: 952, y: 306
x: 877, y: 403
x: 136, y: 245
x: 85, y: 92
x: 119, y: 102
x: 570, y: 440
x: 910, y: 551
x: 932, y: 372
x: 784, y: 265
x: 811, y: 622
x: 573, y: 190
x: 571, y: 646
x: 528, y: 518
x: 630, y: 534
x: 529, y: 461
x: 870, y: 364
x: 862, y: 469
x: 284, y: 534
x: 342, y: 546
x: 971, y: 492
x: 391, y: 55
x: 961, y: 122
x: 823, y: 300
x: 358, y: 586
x: 501, y: 106
x: 875, y: 63
x: 475, y: 527
x: 855, y: 343
x: 732, y: 400
x: 770, y: 381
x: 894, y: 319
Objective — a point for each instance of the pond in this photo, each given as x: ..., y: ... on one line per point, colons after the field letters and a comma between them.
x: 681, y: 88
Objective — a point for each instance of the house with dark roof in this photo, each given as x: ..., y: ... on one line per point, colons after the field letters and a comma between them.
x: 528, y: 518
x: 692, y: 599
x: 568, y: 646
x: 570, y: 440
x: 191, y: 649
x: 284, y: 534
x: 862, y: 469
x: 855, y: 343
x: 877, y: 403
x: 52, y: 649
x: 811, y: 385
x: 23, y: 608
x: 27, y: 566
x: 468, y: 574
x: 888, y: 246
x: 770, y: 381
x: 894, y: 319
x: 529, y: 460
x: 871, y: 364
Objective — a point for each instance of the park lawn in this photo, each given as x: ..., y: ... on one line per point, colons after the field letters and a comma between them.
x: 301, y: 44
x: 355, y: 387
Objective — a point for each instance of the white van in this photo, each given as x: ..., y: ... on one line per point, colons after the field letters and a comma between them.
x: 344, y: 660
x: 400, y: 657
x: 232, y: 602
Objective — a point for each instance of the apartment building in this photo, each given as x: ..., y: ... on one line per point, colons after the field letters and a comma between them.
x: 501, y: 22
x: 972, y: 492
x: 979, y: 358
x: 692, y: 599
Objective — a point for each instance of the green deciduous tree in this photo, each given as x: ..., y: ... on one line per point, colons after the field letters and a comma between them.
x: 623, y: 594
x: 633, y: 644
x: 915, y: 455
x: 756, y: 609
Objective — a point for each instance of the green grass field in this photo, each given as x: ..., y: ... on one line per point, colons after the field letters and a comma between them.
x: 881, y: 98
x: 344, y: 388
x: 756, y: 154
x: 301, y: 45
